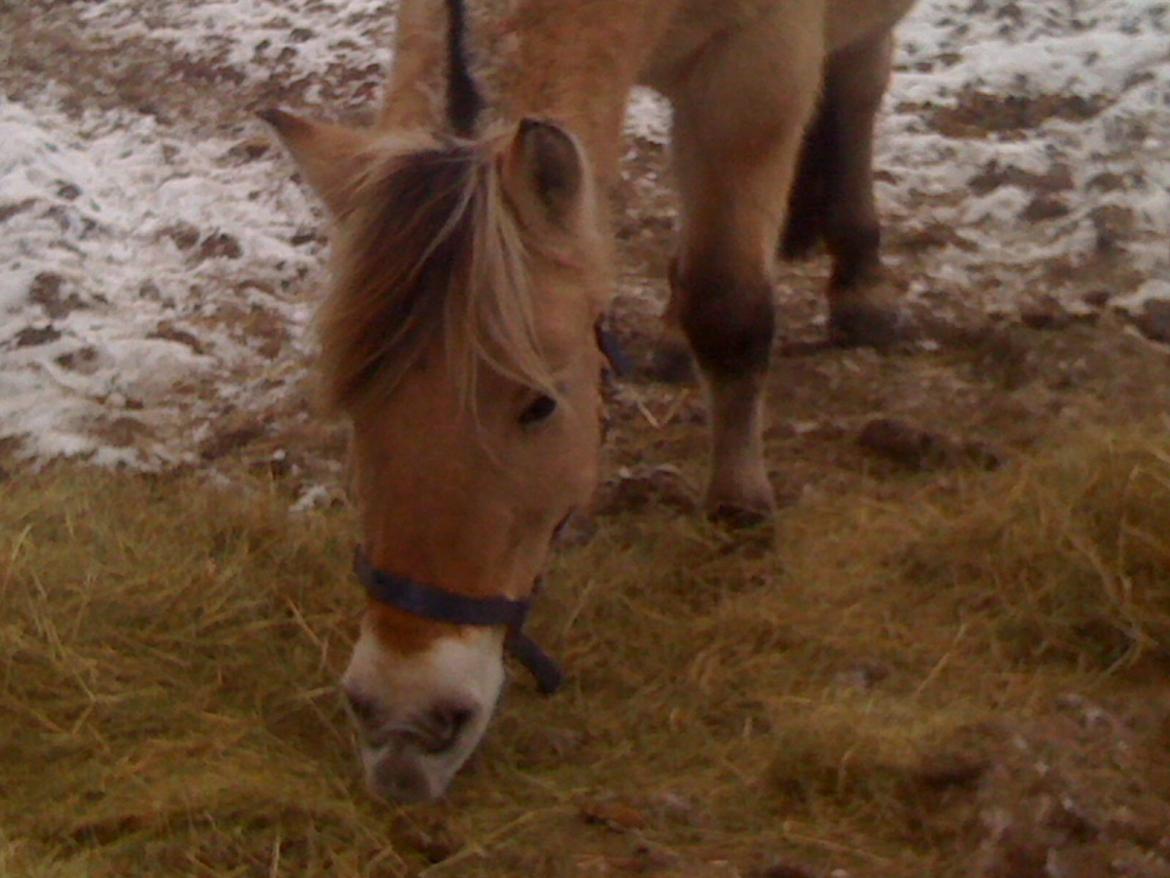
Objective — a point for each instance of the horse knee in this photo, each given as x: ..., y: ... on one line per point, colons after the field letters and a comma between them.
x: 728, y: 322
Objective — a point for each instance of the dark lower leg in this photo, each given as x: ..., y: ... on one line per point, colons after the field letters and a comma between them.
x: 862, y: 310
x: 730, y: 324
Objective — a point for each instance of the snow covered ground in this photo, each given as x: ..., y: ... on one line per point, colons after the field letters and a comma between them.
x: 159, y: 264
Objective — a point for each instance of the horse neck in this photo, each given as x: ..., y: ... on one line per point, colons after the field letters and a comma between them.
x: 576, y: 63
x: 571, y: 61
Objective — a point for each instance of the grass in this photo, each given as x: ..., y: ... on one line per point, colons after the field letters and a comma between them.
x: 168, y: 653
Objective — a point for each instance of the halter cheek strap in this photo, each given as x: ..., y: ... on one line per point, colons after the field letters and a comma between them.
x: 440, y: 605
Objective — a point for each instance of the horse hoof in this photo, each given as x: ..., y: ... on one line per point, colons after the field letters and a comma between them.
x: 739, y: 515
x: 862, y: 324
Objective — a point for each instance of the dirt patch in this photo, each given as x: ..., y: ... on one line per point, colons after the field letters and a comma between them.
x: 32, y: 337
x: 979, y: 114
x: 1056, y: 179
x: 168, y: 331
x: 47, y: 291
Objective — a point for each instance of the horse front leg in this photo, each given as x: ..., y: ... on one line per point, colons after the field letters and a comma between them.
x: 739, y: 118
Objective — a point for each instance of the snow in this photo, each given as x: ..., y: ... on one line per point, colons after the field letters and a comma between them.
x: 1112, y: 53
x: 91, y: 257
x: 156, y: 280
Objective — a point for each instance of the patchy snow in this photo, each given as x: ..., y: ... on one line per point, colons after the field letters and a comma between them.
x: 1052, y: 120
x: 159, y: 265
x: 133, y: 259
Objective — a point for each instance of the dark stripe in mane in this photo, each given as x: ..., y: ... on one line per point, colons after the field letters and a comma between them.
x: 410, y: 247
x: 464, y: 101
x: 430, y: 255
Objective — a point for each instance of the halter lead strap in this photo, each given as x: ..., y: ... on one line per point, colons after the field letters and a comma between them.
x: 440, y: 605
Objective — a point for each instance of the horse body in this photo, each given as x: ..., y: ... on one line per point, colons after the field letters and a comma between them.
x: 458, y: 337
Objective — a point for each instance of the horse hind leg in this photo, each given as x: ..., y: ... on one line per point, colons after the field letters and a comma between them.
x: 735, y: 165
x: 833, y: 196
x: 804, y: 228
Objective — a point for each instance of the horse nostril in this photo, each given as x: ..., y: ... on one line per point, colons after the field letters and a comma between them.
x: 454, y: 717
x: 445, y: 724
x: 364, y: 709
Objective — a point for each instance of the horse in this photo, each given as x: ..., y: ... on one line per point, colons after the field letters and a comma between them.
x: 473, y: 257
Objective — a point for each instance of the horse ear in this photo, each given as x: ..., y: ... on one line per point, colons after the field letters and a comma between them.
x: 545, y: 167
x: 331, y: 157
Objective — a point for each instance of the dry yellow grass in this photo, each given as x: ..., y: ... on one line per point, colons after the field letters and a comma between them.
x: 853, y: 696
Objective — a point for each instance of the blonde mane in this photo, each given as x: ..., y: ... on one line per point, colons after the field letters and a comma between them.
x: 430, y: 250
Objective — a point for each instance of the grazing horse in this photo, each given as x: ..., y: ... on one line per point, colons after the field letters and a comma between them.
x: 472, y: 259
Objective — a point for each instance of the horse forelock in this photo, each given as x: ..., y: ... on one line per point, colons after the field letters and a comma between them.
x: 430, y: 253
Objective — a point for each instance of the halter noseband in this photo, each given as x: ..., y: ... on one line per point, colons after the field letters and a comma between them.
x: 440, y: 605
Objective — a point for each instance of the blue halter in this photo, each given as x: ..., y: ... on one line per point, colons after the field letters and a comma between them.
x: 440, y: 605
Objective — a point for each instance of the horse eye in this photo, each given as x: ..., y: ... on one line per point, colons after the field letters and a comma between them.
x: 538, y: 410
